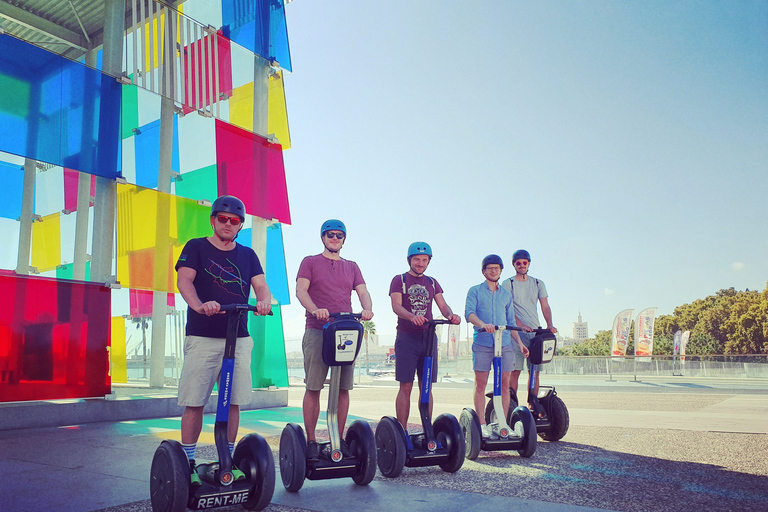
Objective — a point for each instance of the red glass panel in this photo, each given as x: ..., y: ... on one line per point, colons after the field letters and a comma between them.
x: 71, y: 178
x: 53, y: 344
x: 197, y: 59
x: 141, y: 302
x: 251, y: 168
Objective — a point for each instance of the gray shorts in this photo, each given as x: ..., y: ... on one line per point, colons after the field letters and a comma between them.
x: 520, y: 361
x: 202, y: 366
x: 482, y: 358
x: 315, y: 370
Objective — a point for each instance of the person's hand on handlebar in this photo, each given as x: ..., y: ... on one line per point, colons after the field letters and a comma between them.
x: 525, y: 328
x: 208, y: 308
x: 489, y: 328
x: 263, y: 307
x: 367, y: 314
x: 418, y: 320
x: 321, y: 314
x: 455, y: 319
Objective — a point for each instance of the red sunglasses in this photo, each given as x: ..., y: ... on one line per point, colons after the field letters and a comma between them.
x: 235, y: 221
x: 520, y: 263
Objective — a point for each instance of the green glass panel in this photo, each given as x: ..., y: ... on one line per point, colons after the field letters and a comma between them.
x: 67, y: 271
x: 193, y: 220
x: 268, y: 363
x: 199, y: 184
x: 130, y: 111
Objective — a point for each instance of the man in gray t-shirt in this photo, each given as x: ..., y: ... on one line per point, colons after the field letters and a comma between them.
x: 527, y: 293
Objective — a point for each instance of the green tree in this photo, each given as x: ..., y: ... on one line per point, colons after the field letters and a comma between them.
x: 368, y: 328
x: 600, y: 345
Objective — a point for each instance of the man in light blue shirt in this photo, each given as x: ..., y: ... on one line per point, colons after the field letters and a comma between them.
x: 487, y: 306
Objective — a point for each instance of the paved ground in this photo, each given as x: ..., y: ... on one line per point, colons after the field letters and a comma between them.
x: 654, y: 446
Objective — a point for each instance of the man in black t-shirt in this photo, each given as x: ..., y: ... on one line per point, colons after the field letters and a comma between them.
x: 412, y: 294
x: 213, y: 271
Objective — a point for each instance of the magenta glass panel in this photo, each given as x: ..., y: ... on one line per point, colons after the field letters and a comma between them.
x: 141, y: 302
x: 71, y: 180
x: 54, y: 342
x: 197, y: 59
x: 251, y: 168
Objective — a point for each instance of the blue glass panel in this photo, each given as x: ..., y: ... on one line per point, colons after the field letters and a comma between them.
x: 277, y: 275
x: 259, y: 26
x: 147, y: 153
x: 12, y: 178
x: 58, y: 111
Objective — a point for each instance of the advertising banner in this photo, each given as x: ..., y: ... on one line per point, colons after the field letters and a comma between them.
x: 620, y: 332
x: 683, y: 342
x: 676, y: 343
x: 644, y: 332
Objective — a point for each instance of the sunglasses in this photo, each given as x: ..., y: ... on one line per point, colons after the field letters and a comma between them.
x: 521, y: 263
x: 340, y: 236
x: 235, y: 221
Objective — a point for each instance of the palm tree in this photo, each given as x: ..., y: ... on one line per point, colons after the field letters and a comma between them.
x: 368, y: 328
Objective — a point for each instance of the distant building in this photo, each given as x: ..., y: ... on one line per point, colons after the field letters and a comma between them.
x: 580, y: 330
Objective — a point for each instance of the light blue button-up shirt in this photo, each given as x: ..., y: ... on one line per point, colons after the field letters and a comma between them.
x: 492, y: 308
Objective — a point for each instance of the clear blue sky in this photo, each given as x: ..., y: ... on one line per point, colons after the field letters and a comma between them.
x: 624, y: 144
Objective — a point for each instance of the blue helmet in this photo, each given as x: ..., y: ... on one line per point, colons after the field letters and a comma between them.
x: 521, y: 254
x: 228, y: 204
x: 492, y: 259
x: 419, y: 248
x: 333, y: 225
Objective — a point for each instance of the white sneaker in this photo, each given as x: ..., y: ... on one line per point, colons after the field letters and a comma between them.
x: 485, y: 430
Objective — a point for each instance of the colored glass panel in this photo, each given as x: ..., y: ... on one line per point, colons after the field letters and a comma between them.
x: 277, y: 275
x: 130, y: 110
x: 49, y: 191
x: 199, y: 184
x: 269, y: 366
x: 251, y: 168
x: 259, y: 26
x: 141, y: 302
x: 12, y: 178
x: 67, y: 114
x: 194, y: 220
x: 118, y: 368
x: 67, y: 271
x: 199, y: 62
x: 53, y: 343
x: 71, y: 185
x: 46, y: 242
x: 241, y: 109
x: 147, y: 153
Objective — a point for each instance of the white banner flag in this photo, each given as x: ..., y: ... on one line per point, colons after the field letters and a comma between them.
x: 683, y: 342
x: 644, y: 332
x: 620, y: 332
x: 676, y: 343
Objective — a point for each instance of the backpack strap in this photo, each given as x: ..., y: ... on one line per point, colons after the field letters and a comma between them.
x: 432, y: 281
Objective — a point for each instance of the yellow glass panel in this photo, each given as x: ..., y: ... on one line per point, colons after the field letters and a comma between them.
x: 146, y: 231
x: 241, y: 107
x: 278, y: 114
x: 117, y: 360
x: 150, y: 31
x: 46, y: 242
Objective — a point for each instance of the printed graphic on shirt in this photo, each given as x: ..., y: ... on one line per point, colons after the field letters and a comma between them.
x: 419, y: 297
x: 228, y: 278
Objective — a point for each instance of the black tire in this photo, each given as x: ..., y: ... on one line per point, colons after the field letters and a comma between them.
x: 169, y: 478
x: 390, y: 447
x: 473, y: 437
x: 362, y: 444
x: 293, y: 457
x: 253, y: 457
x: 522, y: 415
x: 559, y: 421
x: 448, y: 433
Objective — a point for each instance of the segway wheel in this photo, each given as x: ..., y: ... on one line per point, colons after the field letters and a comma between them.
x: 362, y: 444
x: 448, y: 433
x: 522, y: 420
x: 558, y: 419
x: 473, y: 437
x: 253, y: 457
x: 169, y: 478
x: 293, y: 457
x: 390, y: 447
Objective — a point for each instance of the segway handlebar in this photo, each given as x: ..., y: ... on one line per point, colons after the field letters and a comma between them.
x: 240, y: 307
x: 356, y: 316
x: 538, y: 330
x: 438, y: 322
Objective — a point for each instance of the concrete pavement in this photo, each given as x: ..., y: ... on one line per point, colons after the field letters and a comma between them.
x: 629, y: 447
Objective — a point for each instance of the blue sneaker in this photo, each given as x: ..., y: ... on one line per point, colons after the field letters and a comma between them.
x: 408, y: 442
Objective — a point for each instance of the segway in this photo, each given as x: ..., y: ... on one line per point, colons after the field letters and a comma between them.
x: 440, y: 444
x: 549, y: 411
x: 515, y: 432
x: 170, y: 486
x: 341, y: 343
